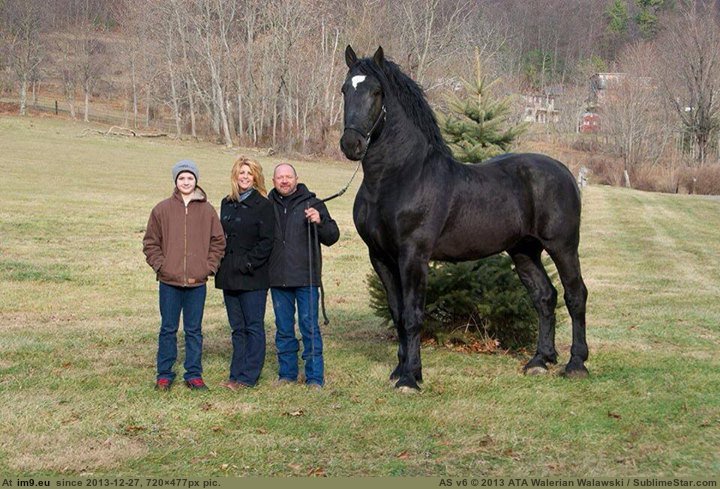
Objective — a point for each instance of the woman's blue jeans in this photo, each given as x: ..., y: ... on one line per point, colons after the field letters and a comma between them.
x: 284, y: 300
x: 191, y: 302
x: 246, y: 314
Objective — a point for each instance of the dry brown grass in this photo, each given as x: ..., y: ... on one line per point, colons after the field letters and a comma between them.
x: 48, y: 452
x: 703, y: 181
x: 666, y: 176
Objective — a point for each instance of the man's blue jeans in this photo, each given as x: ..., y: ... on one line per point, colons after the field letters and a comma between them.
x: 191, y: 302
x: 284, y: 300
x: 246, y: 314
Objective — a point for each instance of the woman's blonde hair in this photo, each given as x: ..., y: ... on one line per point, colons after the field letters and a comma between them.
x: 257, y: 173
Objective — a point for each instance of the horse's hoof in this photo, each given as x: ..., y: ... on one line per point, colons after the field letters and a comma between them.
x: 575, y: 372
x: 533, y: 371
x: 536, y: 366
x: 407, y: 383
x: 403, y: 389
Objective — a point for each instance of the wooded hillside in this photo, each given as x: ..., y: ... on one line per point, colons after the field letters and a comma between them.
x: 267, y: 73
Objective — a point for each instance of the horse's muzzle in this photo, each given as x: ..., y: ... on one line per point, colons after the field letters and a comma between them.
x: 353, y: 145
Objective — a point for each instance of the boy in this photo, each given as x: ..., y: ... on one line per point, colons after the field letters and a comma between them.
x: 183, y: 243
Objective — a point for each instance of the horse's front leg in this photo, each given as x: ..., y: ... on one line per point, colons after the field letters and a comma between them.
x: 413, y: 280
x: 390, y: 278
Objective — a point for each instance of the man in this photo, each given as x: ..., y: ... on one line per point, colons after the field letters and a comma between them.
x: 295, y: 276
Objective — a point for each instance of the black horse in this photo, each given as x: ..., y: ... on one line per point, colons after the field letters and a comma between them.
x: 416, y: 204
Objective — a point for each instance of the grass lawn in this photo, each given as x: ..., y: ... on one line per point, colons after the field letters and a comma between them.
x: 79, y: 321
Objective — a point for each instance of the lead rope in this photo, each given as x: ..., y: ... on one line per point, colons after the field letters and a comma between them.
x: 344, y: 189
x: 311, y: 226
x: 316, y: 244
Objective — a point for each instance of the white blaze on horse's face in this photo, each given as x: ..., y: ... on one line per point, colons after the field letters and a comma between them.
x: 357, y: 80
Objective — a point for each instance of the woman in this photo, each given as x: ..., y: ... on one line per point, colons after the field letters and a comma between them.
x: 249, y: 224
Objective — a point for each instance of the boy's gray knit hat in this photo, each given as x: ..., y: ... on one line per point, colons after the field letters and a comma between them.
x: 183, y: 166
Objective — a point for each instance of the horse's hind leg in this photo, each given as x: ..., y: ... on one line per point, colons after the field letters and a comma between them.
x: 568, y: 265
x: 529, y: 268
x: 390, y: 280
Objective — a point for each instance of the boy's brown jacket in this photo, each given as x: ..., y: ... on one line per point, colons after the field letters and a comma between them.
x: 184, y: 244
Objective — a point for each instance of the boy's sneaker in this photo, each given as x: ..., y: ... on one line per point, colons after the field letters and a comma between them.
x: 196, y: 384
x: 163, y: 384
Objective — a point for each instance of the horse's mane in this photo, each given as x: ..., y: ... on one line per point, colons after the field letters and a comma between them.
x: 410, y: 97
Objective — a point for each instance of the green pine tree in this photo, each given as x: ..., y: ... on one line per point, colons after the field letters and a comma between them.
x: 477, y: 127
x: 646, y: 18
x: 618, y: 17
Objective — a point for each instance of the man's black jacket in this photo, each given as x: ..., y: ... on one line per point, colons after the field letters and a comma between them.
x: 289, y: 261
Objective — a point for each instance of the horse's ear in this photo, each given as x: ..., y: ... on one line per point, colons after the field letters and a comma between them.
x: 379, y: 56
x: 350, y: 56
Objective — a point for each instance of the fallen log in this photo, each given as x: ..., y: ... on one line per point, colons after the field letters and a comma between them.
x: 125, y: 131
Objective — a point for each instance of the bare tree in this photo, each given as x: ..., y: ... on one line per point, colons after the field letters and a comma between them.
x: 691, y: 80
x: 211, y: 26
x: 22, y: 26
x: 189, y: 80
x: 165, y: 33
x: 83, y: 43
x: 65, y: 68
x: 432, y: 28
x: 90, y: 63
x: 138, y: 51
x: 268, y: 71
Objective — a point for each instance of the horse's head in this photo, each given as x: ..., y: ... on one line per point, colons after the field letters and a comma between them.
x: 364, y: 109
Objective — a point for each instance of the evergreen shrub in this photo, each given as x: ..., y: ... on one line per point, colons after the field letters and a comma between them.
x: 482, y: 299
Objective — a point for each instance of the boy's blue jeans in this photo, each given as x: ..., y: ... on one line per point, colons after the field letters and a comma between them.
x: 284, y: 300
x: 191, y: 302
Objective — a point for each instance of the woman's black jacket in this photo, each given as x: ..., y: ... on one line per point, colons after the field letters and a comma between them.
x: 249, y: 231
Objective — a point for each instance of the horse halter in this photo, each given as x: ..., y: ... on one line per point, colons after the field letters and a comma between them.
x: 368, y: 136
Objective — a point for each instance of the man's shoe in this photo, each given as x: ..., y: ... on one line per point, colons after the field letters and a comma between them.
x: 196, y: 384
x: 163, y: 384
x: 233, y: 385
x: 284, y: 381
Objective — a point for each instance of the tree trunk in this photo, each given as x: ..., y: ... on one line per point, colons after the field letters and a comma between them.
x: 223, y: 116
x: 175, y: 103
x: 86, y: 117
x: 134, y: 93
x: 230, y: 119
x: 702, y: 144
x: 241, y: 127
x: 274, y: 129
x: 626, y: 179
x: 23, y: 96
x: 191, y: 104
x: 214, y: 112
x: 147, y: 109
x: 71, y: 103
